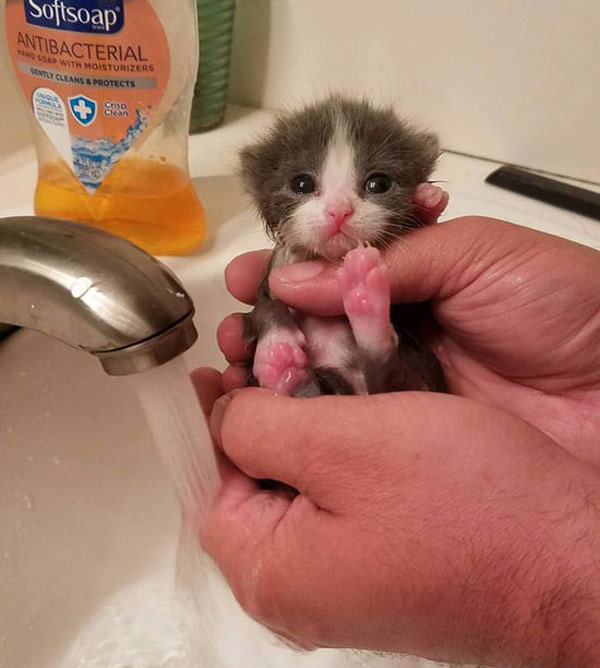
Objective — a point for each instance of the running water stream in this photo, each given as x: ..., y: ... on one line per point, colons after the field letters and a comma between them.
x: 181, y: 435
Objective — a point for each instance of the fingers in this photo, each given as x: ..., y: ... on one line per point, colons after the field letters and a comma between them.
x: 234, y: 378
x: 232, y: 345
x: 207, y: 383
x: 244, y: 274
x: 230, y: 337
x: 429, y: 263
x: 316, y: 292
x: 430, y: 201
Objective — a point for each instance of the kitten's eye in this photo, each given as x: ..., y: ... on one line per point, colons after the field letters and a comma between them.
x: 303, y: 184
x: 378, y: 183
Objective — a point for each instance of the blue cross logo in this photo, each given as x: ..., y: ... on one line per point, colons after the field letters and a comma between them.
x: 83, y: 109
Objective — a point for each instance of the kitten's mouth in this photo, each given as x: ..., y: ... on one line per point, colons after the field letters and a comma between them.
x: 336, y: 246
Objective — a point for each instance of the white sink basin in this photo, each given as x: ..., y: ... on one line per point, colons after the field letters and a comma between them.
x: 86, y: 509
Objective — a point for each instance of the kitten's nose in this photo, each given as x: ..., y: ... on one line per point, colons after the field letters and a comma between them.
x: 339, y: 214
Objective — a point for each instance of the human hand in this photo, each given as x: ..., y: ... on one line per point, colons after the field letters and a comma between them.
x: 518, y: 314
x: 425, y: 523
x: 208, y: 386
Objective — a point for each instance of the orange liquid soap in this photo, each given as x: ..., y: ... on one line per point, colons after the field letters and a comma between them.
x: 151, y: 203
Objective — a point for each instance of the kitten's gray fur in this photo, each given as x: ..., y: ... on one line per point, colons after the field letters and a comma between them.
x: 297, y: 144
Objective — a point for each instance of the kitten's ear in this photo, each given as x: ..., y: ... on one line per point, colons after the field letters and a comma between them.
x: 251, y: 165
x: 429, y: 150
x: 257, y: 164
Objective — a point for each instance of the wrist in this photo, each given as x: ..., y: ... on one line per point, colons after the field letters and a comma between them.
x: 558, y: 625
x: 569, y: 610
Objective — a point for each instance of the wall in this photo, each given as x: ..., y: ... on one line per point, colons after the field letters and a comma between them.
x: 512, y: 80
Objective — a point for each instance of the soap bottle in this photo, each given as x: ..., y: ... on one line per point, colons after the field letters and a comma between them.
x: 109, y: 85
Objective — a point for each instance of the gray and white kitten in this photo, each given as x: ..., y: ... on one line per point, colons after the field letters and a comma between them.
x: 335, y: 181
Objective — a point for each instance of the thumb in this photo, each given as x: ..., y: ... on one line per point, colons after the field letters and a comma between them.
x: 292, y: 441
x: 430, y: 263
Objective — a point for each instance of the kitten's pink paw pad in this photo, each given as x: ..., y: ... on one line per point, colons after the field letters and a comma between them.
x: 280, y: 367
x: 365, y: 289
x: 430, y: 201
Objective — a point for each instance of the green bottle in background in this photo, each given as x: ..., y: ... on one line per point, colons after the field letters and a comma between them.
x: 215, y: 28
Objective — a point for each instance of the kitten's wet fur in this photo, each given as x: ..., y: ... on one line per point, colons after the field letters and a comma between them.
x: 368, y: 141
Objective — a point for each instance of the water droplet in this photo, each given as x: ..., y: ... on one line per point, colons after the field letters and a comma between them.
x: 181, y: 295
x: 32, y: 306
x: 80, y: 287
x: 28, y: 501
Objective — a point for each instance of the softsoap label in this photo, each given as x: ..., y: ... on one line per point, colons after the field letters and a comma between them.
x: 93, y: 72
x: 103, y: 16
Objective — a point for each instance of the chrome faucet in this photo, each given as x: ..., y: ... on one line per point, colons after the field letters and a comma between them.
x: 93, y: 291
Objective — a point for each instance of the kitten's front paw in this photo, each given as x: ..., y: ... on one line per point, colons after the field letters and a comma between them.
x: 430, y: 201
x: 280, y: 366
x: 366, y: 297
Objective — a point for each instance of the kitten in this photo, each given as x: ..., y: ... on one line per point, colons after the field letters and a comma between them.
x: 338, y: 180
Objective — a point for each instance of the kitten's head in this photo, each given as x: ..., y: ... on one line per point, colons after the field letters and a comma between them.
x: 337, y: 174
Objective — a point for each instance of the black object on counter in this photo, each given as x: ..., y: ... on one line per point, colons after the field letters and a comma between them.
x: 5, y: 330
x: 563, y: 195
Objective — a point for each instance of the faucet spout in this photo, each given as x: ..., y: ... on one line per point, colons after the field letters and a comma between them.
x: 93, y: 291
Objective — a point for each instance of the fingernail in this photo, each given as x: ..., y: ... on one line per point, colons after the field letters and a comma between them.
x: 434, y: 199
x: 301, y: 271
x: 218, y: 413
